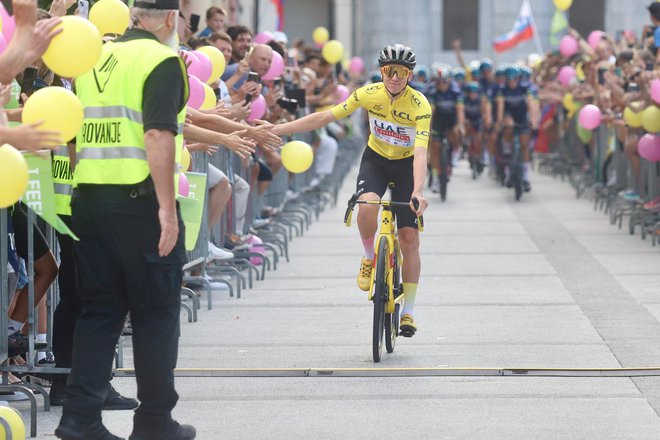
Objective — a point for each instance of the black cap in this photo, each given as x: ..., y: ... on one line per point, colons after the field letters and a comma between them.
x: 654, y: 9
x: 157, y: 4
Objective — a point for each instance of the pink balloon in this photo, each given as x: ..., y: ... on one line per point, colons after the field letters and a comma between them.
x: 342, y: 93
x: 568, y: 46
x: 256, y: 246
x: 566, y: 75
x: 649, y: 147
x: 356, y: 65
x: 258, y: 109
x: 263, y: 37
x: 276, y: 67
x: 655, y: 90
x: 590, y: 117
x: 196, y: 98
x: 3, y: 43
x: 594, y: 38
x: 206, y: 67
x: 184, y: 185
x: 8, y: 24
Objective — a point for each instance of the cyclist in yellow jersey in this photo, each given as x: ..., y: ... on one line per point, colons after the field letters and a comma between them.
x: 399, y: 122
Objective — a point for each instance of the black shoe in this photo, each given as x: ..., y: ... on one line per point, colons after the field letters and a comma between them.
x: 57, y: 393
x: 116, y: 402
x: 174, y: 432
x: 19, y: 344
x: 526, y: 186
x: 69, y: 429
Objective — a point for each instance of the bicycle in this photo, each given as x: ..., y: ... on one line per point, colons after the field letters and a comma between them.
x: 475, y: 153
x: 512, y: 162
x: 386, y: 289
x: 445, y: 167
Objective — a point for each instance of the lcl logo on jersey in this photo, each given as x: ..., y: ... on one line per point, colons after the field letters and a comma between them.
x: 377, y: 107
x: 401, y: 117
x: 416, y: 101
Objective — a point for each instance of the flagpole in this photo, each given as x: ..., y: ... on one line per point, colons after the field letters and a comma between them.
x: 537, y: 39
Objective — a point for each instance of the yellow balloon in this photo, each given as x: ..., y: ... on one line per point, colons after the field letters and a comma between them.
x: 217, y: 61
x: 320, y: 35
x: 110, y: 16
x: 632, y: 118
x: 185, y: 159
x: 76, y: 49
x: 15, y: 422
x: 13, y: 177
x: 58, y: 108
x: 651, y: 119
x: 563, y: 5
x: 210, y: 100
x: 332, y: 51
x: 569, y: 103
x: 297, y: 156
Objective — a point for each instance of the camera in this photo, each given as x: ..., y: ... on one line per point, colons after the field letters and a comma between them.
x: 288, y: 104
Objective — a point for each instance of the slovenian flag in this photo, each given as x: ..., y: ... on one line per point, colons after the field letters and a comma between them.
x: 523, y: 30
x: 279, y: 8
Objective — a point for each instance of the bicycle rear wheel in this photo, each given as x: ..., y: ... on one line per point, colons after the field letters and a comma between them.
x: 380, y: 298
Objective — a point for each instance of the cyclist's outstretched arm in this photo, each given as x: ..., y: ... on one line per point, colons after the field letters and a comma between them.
x: 307, y: 123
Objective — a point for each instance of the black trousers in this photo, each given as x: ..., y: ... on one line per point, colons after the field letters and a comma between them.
x: 68, y: 308
x: 118, y: 270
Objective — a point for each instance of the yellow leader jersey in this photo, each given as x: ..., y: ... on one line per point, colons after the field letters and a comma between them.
x: 398, y: 126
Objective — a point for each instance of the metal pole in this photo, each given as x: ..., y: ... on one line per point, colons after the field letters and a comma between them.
x: 537, y: 40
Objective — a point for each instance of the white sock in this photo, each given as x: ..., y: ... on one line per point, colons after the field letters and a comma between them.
x: 41, y: 337
x: 15, y: 326
x: 409, y: 294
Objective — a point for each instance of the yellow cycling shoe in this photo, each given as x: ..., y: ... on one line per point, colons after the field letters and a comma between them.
x: 407, y: 326
x: 364, y: 276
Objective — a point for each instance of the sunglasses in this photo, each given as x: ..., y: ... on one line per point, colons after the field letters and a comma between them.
x: 401, y: 72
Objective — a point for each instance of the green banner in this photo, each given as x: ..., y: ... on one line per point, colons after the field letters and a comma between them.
x: 40, y: 195
x: 192, y: 207
x: 559, y: 24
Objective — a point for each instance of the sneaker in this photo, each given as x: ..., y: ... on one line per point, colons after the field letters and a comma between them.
x: 116, y: 402
x: 258, y: 223
x: 364, y: 276
x: 234, y: 243
x: 19, y: 343
x: 407, y: 326
x: 175, y: 431
x: 435, y: 185
x: 70, y: 429
x: 526, y: 186
x: 219, y: 253
x: 630, y: 195
x: 653, y: 204
x: 291, y: 195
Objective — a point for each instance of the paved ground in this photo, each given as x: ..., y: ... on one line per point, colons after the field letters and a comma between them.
x: 542, y: 283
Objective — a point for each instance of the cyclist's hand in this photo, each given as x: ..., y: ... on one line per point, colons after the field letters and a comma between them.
x: 421, y: 207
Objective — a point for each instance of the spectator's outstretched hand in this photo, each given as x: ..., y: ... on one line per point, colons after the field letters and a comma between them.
x: 262, y: 135
x: 240, y: 111
x: 241, y: 146
x: 25, y: 12
x: 30, y: 138
x: 5, y: 94
x: 41, y: 36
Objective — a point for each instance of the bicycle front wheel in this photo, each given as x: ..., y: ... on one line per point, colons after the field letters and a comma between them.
x: 380, y: 298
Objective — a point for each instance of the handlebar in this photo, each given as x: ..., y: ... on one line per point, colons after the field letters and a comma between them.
x: 354, y: 201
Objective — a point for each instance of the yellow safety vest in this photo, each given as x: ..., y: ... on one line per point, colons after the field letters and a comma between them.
x: 110, y: 146
x: 63, y: 180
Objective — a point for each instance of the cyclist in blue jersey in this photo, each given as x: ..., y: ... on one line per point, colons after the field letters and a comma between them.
x: 490, y: 116
x: 487, y: 77
x: 459, y: 77
x: 515, y: 106
x: 448, y: 119
x: 474, y: 103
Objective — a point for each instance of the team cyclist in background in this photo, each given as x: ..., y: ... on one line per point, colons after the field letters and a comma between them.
x: 517, y: 109
x: 446, y: 99
x: 399, y: 123
x: 475, y: 105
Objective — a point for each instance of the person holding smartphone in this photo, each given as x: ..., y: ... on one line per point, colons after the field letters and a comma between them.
x: 215, y: 22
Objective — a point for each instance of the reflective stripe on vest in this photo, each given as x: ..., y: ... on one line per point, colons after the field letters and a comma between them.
x: 63, y: 180
x: 110, y: 146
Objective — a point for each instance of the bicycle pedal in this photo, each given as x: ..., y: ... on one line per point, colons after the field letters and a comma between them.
x: 407, y: 334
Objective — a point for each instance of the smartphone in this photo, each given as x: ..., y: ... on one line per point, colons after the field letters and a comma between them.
x: 194, y: 23
x: 253, y: 77
x: 618, y: 72
x: 633, y: 87
x: 277, y: 82
x: 27, y: 83
x: 83, y: 9
x: 650, y: 67
x: 601, y: 75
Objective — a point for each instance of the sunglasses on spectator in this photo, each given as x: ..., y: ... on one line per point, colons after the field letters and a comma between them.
x: 401, y: 72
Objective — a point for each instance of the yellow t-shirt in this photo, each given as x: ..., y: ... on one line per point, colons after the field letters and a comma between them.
x: 398, y: 126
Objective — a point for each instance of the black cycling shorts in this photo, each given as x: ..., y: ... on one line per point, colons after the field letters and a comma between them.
x: 443, y: 123
x: 377, y: 171
x: 19, y: 222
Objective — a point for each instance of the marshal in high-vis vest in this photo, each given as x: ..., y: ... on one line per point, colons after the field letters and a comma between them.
x: 131, y: 249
